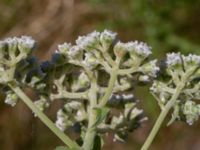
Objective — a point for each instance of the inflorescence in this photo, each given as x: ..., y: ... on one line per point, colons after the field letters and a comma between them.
x: 97, y: 75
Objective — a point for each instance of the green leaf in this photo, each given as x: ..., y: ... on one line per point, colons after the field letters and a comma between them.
x: 97, y: 143
x: 101, y: 114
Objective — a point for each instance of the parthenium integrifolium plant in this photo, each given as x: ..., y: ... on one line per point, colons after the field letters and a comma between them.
x: 95, y: 80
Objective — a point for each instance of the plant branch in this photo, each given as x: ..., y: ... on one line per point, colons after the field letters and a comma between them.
x: 166, y: 109
x: 43, y: 117
x: 69, y: 95
x: 92, y: 116
x: 109, y: 90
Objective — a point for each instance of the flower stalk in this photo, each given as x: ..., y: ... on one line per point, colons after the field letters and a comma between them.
x: 63, y: 137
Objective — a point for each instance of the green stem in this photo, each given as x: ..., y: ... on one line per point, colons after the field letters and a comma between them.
x: 109, y: 90
x: 160, y: 119
x: 91, y: 130
x: 166, y: 109
x: 43, y: 117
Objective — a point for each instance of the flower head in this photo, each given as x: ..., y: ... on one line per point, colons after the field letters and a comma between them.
x: 150, y: 68
x: 63, y: 48
x: 139, y: 48
x: 26, y: 44
x: 191, y: 59
x: 89, y: 41
x: 106, y: 38
x: 173, y: 59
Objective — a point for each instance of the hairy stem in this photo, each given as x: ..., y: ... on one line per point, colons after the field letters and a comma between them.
x: 109, y: 90
x: 92, y: 116
x: 166, y: 109
x: 43, y: 117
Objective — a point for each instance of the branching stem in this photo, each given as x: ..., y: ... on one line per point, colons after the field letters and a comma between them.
x: 166, y: 109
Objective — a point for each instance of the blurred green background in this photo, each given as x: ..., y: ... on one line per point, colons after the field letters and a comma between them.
x: 166, y: 25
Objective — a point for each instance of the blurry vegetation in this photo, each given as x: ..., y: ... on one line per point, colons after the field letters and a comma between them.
x: 166, y: 25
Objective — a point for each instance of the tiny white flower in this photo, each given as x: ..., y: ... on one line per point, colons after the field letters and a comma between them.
x: 106, y: 38
x: 64, y: 48
x: 191, y: 59
x: 42, y: 103
x: 12, y: 43
x: 139, y: 48
x: 11, y: 99
x: 144, y: 78
x: 75, y: 52
x: 190, y: 111
x: 89, y: 41
x: 90, y: 61
x: 26, y: 42
x: 173, y: 59
x: 61, y: 121
x: 150, y: 68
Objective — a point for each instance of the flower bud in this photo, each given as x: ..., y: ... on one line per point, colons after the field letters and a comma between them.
x: 191, y: 112
x: 89, y: 41
x: 42, y: 103
x: 11, y: 98
x: 150, y: 68
x: 62, y: 120
x: 64, y: 48
x: 173, y: 60
x: 140, y: 49
x: 106, y: 38
x: 120, y: 49
x: 90, y: 61
x: 26, y: 44
x: 75, y: 52
x: 12, y: 46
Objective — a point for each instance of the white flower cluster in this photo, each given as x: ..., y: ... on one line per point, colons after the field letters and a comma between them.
x: 106, y: 39
x: 64, y: 48
x: 24, y: 44
x: 81, y: 83
x: 62, y: 120
x: 191, y: 111
x: 11, y: 98
x: 191, y: 59
x: 139, y: 48
x: 89, y: 41
x: 183, y: 71
x: 150, y: 68
x: 176, y: 59
x: 173, y: 59
x: 71, y: 113
x: 42, y: 103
